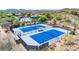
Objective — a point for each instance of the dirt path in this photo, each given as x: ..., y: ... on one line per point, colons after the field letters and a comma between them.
x: 2, y: 33
x: 11, y: 37
x: 16, y: 47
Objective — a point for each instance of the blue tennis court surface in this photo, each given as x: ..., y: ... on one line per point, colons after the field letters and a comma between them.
x: 35, y: 27
x: 47, y: 35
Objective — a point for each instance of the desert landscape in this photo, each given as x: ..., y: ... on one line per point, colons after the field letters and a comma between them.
x: 67, y: 19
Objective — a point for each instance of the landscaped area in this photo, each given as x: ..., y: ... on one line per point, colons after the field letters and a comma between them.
x: 40, y: 30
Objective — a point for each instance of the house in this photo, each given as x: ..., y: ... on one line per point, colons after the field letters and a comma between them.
x: 25, y: 19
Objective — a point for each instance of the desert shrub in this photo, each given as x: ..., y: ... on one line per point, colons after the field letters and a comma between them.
x: 69, y: 40
x: 73, y: 12
x: 57, y: 17
x: 73, y: 32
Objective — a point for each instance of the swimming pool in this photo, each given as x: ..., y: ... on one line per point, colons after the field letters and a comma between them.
x: 30, y: 28
x: 47, y: 35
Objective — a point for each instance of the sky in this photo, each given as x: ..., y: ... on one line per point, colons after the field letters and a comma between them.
x: 38, y: 4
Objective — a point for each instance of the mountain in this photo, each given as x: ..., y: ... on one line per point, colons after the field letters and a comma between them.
x: 13, y: 10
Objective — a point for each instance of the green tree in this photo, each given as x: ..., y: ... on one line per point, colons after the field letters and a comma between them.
x: 16, y: 23
x: 43, y: 19
x: 48, y: 15
x: 28, y: 15
x: 3, y: 14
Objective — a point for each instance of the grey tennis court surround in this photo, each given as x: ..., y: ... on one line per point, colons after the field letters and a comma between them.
x: 32, y: 36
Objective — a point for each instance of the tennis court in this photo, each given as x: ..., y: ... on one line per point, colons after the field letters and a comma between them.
x: 31, y: 28
x: 46, y: 36
x: 32, y: 35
